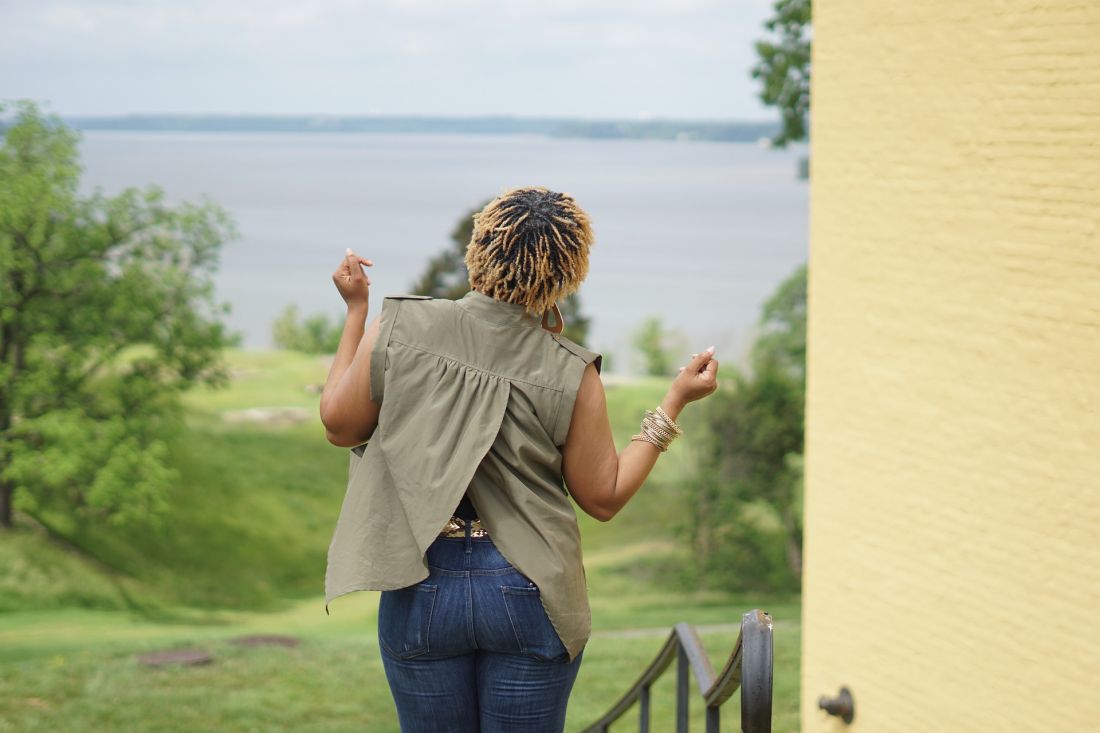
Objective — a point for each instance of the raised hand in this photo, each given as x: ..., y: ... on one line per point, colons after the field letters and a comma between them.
x: 698, y: 378
x: 351, y: 280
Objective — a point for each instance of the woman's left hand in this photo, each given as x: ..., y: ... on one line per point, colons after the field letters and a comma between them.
x: 351, y: 281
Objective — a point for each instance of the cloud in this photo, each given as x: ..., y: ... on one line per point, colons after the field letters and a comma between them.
x: 671, y: 57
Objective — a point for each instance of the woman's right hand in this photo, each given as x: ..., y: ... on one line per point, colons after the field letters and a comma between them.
x: 600, y: 479
x: 697, y: 379
x: 351, y: 281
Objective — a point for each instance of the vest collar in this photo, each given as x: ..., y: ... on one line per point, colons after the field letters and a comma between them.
x: 497, y: 311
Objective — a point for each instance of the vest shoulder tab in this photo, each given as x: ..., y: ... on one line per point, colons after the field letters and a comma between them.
x: 586, y: 355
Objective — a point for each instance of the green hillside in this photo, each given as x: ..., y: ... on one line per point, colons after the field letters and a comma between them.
x: 244, y: 552
x: 253, y: 513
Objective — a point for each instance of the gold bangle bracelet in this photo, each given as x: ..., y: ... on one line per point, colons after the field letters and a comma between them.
x: 669, y: 421
x: 658, y: 428
x: 650, y: 440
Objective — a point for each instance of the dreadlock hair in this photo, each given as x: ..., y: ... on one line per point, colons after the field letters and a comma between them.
x: 530, y: 246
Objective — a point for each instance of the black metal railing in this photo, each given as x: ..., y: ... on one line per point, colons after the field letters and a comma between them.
x: 749, y: 668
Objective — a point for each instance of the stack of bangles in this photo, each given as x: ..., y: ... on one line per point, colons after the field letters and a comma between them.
x: 659, y: 429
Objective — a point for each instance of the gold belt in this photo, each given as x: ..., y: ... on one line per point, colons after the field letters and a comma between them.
x: 456, y: 527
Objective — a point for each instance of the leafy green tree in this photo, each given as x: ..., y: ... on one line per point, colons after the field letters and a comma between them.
x: 784, y: 67
x: 657, y: 347
x: 106, y: 316
x: 446, y: 277
x: 781, y: 341
x: 315, y: 335
x: 746, y: 522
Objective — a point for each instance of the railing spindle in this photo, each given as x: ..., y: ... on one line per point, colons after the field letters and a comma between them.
x: 682, y: 690
x: 712, y: 720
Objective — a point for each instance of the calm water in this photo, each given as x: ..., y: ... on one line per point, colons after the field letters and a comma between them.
x: 697, y: 233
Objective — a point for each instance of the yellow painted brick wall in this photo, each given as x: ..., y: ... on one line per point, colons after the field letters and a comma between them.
x: 953, y: 394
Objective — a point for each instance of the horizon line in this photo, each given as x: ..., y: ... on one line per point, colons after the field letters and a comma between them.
x: 416, y: 115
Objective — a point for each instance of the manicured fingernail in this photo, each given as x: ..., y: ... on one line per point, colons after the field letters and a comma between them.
x: 349, y: 250
x: 694, y: 355
x: 683, y: 368
x: 710, y: 349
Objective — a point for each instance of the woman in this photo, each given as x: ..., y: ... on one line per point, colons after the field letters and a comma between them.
x: 480, y: 422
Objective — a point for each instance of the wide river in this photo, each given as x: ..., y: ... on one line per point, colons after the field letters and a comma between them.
x: 696, y: 233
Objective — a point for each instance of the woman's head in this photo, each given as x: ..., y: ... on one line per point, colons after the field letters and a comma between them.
x: 529, y: 246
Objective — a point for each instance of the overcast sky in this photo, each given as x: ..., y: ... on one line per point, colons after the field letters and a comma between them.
x: 586, y: 58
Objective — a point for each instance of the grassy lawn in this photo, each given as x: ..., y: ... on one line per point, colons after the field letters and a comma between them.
x: 76, y: 671
x: 244, y: 553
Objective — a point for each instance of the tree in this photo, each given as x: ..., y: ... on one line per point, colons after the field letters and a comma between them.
x: 781, y: 341
x: 784, y: 67
x: 106, y: 316
x: 315, y: 335
x: 657, y: 347
x: 747, y: 500
x: 446, y: 277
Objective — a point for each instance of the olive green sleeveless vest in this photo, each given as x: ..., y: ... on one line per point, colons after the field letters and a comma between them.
x: 475, y: 397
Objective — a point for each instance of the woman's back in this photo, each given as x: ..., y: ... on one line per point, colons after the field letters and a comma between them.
x: 475, y: 397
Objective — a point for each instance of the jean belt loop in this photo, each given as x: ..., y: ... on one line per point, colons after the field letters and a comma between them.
x: 469, y: 540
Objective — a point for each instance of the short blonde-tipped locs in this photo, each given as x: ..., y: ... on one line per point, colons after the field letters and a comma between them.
x: 529, y: 246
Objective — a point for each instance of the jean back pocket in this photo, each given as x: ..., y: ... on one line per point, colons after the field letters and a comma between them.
x: 534, y: 632
x: 405, y: 619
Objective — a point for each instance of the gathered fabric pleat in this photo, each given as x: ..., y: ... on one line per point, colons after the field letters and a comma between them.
x: 409, y: 480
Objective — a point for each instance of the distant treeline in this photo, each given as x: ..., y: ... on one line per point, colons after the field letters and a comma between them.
x: 552, y: 127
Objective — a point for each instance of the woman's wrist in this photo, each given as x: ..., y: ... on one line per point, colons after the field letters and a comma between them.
x: 357, y: 311
x: 672, y: 405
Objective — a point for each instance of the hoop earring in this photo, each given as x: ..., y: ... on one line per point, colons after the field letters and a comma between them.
x: 559, y: 323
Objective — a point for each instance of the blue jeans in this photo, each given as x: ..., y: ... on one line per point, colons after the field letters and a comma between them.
x: 470, y: 649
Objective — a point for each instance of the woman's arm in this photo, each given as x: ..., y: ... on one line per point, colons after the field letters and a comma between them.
x: 601, y: 480
x: 347, y: 411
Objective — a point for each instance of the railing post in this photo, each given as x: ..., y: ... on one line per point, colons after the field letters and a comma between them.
x: 756, y: 675
x: 643, y: 710
x: 682, y: 689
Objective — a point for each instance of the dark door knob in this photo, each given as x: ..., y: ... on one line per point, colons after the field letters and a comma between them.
x: 842, y: 706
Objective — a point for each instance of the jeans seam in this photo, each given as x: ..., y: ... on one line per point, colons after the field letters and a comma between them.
x: 471, y: 630
x: 512, y: 622
x: 464, y: 573
x: 428, y: 626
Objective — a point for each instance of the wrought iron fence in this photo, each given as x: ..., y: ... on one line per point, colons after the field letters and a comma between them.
x: 749, y: 668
